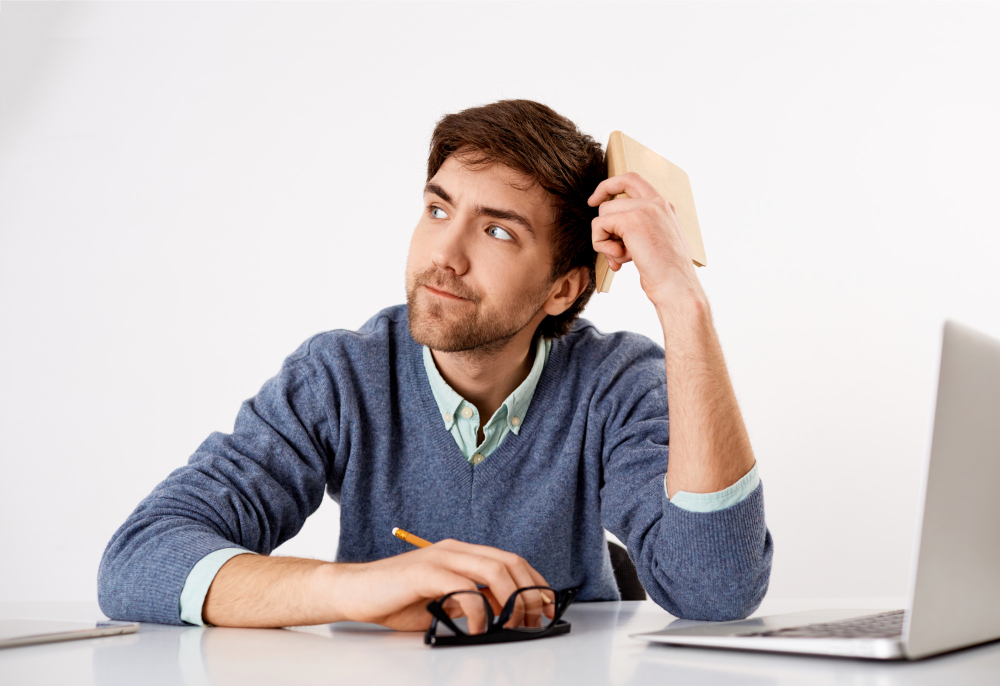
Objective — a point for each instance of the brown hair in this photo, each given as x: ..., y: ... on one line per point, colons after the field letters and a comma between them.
x: 534, y: 140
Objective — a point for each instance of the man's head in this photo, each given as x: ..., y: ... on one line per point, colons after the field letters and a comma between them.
x: 504, y: 241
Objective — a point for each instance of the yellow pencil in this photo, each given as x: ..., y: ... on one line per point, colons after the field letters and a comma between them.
x: 409, y: 538
x: 404, y: 535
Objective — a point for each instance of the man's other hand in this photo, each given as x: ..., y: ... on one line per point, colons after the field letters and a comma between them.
x: 252, y: 590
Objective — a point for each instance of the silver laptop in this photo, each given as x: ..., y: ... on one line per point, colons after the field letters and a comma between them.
x: 25, y: 632
x: 954, y: 598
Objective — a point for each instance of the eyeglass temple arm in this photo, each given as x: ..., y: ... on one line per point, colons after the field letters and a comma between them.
x: 439, y: 615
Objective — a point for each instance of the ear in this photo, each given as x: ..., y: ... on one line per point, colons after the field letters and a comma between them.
x: 565, y: 290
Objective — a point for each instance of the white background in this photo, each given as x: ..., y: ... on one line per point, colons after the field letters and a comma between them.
x: 188, y: 191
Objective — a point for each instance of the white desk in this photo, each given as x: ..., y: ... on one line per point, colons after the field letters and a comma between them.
x: 598, y: 651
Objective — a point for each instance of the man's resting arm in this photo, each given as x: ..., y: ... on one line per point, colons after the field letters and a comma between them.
x: 252, y: 489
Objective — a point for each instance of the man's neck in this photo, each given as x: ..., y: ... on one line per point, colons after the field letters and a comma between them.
x: 486, y: 379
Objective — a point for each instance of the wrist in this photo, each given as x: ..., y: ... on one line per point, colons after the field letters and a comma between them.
x: 682, y: 308
x: 327, y: 588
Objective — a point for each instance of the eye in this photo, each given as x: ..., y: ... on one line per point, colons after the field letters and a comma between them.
x: 499, y: 233
x: 438, y: 213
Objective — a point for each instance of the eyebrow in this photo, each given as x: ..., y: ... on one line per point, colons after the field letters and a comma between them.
x: 495, y: 213
x: 438, y: 191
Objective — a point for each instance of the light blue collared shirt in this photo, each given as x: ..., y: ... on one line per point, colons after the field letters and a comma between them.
x: 461, y: 418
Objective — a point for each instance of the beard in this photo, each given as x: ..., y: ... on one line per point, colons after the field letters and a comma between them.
x: 455, y: 326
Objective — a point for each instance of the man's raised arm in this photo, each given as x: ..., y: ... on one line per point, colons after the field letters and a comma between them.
x: 696, y: 559
x: 710, y: 448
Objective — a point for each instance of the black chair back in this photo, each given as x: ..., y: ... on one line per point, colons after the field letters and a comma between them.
x: 625, y: 574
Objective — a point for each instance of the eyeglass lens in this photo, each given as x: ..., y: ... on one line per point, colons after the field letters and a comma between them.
x: 469, y: 611
x: 530, y: 608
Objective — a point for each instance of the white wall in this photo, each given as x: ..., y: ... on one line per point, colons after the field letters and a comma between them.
x: 188, y: 191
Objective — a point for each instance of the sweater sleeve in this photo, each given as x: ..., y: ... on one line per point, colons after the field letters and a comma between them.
x: 696, y: 565
x: 251, y: 489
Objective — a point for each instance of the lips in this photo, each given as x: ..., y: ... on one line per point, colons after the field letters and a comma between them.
x: 441, y: 293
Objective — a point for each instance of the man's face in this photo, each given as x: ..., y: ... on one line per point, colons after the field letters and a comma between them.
x: 480, y: 258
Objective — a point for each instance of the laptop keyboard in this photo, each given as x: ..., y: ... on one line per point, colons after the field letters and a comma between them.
x: 882, y: 625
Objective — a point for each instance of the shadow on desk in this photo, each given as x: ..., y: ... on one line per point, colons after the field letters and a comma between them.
x: 598, y: 651
x: 355, y: 653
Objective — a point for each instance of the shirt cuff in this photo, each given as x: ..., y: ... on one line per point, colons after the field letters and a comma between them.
x: 720, y: 500
x: 199, y: 579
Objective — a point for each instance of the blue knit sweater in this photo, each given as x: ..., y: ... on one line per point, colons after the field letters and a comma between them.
x: 347, y: 414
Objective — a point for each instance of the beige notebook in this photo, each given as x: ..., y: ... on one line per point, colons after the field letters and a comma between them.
x: 627, y: 155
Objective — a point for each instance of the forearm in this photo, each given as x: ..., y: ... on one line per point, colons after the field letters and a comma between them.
x: 708, y: 566
x: 259, y: 591
x: 709, y: 446
x: 255, y: 591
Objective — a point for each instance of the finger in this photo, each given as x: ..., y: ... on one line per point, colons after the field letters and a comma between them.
x: 468, y: 605
x: 545, y: 597
x: 620, y: 205
x: 441, y: 582
x: 474, y: 611
x: 533, y: 606
x: 522, y: 574
x: 492, y: 599
x: 607, y: 236
x: 517, y: 616
x: 452, y: 607
x: 521, y: 569
x: 612, y: 227
x: 605, y: 228
x: 631, y: 184
x: 511, y: 560
x: 615, y: 251
x: 529, y: 604
x: 613, y: 264
x: 486, y: 570
x: 548, y: 600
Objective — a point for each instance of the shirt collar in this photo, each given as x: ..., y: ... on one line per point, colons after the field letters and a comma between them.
x: 516, y: 404
x: 518, y: 401
x: 448, y: 401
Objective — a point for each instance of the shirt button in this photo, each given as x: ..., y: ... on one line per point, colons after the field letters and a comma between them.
x: 447, y: 418
x: 515, y: 421
x: 466, y: 412
x: 477, y: 458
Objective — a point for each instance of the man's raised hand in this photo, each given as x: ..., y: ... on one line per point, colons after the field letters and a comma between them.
x: 643, y: 228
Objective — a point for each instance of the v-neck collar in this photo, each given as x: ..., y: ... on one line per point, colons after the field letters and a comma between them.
x: 512, y: 410
x: 441, y: 439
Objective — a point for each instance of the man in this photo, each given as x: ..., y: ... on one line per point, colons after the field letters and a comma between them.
x: 483, y: 415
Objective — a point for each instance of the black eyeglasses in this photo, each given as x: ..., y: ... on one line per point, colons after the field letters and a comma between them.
x: 525, y: 608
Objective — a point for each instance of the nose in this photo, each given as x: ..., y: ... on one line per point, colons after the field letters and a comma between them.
x: 449, y: 252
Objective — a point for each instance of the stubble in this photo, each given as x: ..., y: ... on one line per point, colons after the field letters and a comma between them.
x: 470, y: 326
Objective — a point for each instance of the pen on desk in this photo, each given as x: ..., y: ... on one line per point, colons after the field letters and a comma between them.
x: 404, y: 535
